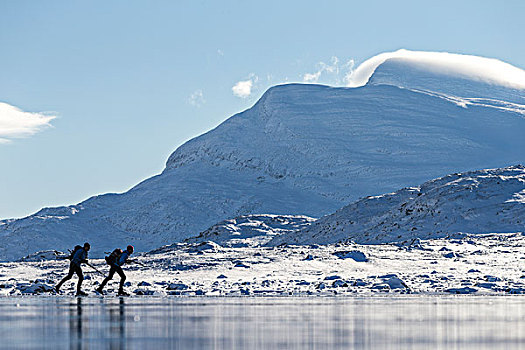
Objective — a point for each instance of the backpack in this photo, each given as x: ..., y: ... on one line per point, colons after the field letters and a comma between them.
x: 77, y: 248
x: 114, y: 256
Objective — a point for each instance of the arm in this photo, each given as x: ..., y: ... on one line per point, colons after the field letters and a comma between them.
x: 135, y: 261
x: 85, y: 257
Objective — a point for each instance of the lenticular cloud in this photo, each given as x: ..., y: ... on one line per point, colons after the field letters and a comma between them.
x: 15, y: 123
x: 488, y: 70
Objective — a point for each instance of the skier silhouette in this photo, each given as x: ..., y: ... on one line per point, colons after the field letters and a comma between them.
x: 78, y: 257
x: 115, y: 260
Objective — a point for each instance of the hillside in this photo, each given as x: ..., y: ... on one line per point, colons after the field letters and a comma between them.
x: 484, y: 201
x: 251, y: 230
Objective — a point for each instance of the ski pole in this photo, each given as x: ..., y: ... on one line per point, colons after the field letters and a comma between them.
x: 136, y: 262
x: 94, y: 268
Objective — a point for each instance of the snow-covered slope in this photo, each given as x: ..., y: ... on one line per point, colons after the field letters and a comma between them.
x: 412, y: 75
x: 300, y: 150
x: 481, y: 201
x: 251, y: 230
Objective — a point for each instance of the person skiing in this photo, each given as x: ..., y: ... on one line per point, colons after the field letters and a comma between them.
x: 115, y: 260
x: 78, y: 256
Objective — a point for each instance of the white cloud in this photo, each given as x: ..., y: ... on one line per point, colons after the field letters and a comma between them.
x: 220, y: 52
x: 197, y: 98
x: 349, y: 68
x: 330, y: 71
x: 243, y: 88
x: 483, y: 69
x: 312, y: 77
x: 15, y: 123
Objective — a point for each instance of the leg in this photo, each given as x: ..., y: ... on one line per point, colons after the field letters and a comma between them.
x: 122, y: 277
x: 78, y: 271
x: 68, y: 277
x: 107, y: 279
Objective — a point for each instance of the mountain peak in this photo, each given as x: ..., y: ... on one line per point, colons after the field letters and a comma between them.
x: 442, y: 72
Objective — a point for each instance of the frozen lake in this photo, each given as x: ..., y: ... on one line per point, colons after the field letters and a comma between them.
x: 412, y: 322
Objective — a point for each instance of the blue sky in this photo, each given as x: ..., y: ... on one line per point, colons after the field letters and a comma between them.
x: 130, y: 81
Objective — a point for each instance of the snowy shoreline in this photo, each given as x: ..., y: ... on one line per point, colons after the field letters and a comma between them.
x: 489, y: 264
x: 443, y: 297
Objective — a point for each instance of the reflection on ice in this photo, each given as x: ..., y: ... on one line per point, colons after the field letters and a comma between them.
x: 111, y: 332
x: 262, y: 323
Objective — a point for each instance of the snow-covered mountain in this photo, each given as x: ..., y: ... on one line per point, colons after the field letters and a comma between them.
x: 251, y: 230
x: 483, y: 201
x: 399, y: 72
x: 301, y: 149
x: 445, y: 73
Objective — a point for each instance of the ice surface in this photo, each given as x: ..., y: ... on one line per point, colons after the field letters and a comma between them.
x: 262, y: 323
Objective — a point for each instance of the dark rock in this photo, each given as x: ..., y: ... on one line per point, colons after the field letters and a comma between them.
x: 464, y: 290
